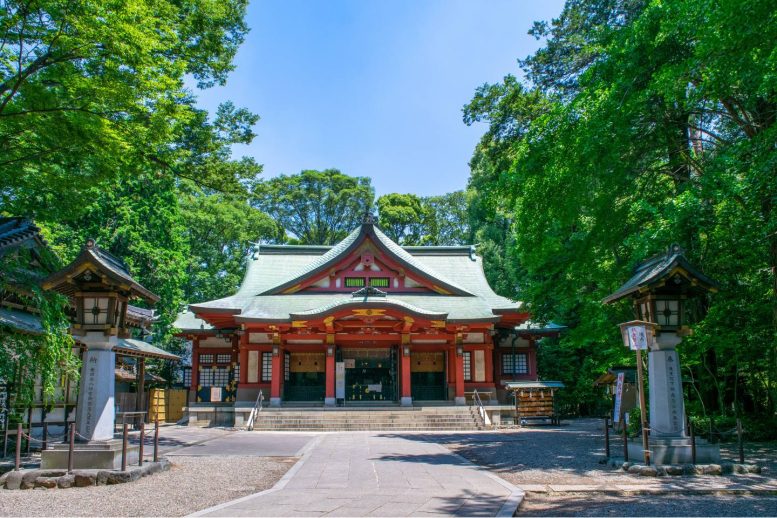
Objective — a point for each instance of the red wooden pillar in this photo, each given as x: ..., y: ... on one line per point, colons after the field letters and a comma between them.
x: 277, y: 376
x: 460, y: 400
x: 243, y: 361
x: 329, y: 395
x: 407, y: 393
x: 489, y: 357
x: 195, y: 368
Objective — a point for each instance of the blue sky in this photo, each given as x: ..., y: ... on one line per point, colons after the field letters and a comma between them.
x: 374, y: 87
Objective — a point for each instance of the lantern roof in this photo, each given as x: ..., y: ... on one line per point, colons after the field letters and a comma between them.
x: 93, y: 260
x: 654, y: 273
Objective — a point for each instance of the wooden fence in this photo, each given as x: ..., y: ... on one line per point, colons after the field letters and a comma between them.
x: 166, y: 404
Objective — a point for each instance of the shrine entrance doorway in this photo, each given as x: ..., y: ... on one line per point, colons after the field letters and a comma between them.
x: 427, y: 376
x: 370, y: 374
x: 305, y: 376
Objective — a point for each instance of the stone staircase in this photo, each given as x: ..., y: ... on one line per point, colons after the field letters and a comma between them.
x: 439, y: 418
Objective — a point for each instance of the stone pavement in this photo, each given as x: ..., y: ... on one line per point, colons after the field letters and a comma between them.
x: 379, y: 474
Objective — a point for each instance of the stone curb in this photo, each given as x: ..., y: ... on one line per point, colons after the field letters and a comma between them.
x: 60, y: 478
x: 654, y: 491
x: 676, y: 470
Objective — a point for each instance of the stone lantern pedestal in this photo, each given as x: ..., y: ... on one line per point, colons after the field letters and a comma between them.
x: 95, y: 446
x: 669, y: 441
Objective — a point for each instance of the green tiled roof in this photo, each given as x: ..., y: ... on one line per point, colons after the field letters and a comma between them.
x: 132, y: 347
x: 518, y: 385
x: 655, y: 270
x: 277, y: 266
x: 188, y: 321
x: 337, y: 252
x: 30, y: 323
x: 21, y: 321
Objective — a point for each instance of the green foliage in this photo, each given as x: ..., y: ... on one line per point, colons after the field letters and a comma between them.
x: 433, y: 220
x: 25, y: 356
x: 315, y: 207
x: 642, y: 123
x: 100, y: 138
x: 401, y: 217
x: 88, y: 89
x: 221, y: 230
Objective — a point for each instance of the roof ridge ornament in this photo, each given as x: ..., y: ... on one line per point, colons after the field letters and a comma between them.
x: 369, y: 217
x: 369, y: 291
x: 674, y: 248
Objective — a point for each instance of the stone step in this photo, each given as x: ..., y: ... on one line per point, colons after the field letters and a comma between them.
x: 369, y: 419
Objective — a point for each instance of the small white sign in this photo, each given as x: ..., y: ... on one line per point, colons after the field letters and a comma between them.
x: 616, y: 415
x: 215, y: 394
x: 350, y: 363
x: 637, y: 338
x: 376, y: 387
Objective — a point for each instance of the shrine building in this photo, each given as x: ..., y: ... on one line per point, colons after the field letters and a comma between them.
x: 364, y: 322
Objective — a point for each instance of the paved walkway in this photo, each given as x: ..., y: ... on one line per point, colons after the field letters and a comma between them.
x: 379, y: 474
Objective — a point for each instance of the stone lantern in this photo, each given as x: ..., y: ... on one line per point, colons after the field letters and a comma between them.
x: 666, y: 292
x: 99, y: 286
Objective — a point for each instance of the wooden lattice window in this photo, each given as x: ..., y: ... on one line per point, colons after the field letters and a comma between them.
x: 223, y: 358
x: 354, y: 282
x: 220, y: 376
x: 380, y: 282
x: 267, y: 366
x: 206, y: 359
x: 515, y: 363
x: 206, y: 377
x: 467, y: 366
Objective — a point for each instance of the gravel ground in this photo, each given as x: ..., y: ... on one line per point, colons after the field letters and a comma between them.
x: 572, y: 453
x: 192, y: 484
x: 579, y: 504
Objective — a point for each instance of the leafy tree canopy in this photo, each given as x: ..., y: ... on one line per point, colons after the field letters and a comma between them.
x: 91, y: 91
x: 315, y: 207
x: 641, y: 123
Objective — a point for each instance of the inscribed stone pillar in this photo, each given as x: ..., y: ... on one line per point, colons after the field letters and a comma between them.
x: 96, y: 411
x: 667, y: 411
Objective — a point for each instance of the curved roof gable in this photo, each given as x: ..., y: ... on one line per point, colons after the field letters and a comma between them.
x: 340, y: 252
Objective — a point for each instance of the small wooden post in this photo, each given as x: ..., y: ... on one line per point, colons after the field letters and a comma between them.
x: 740, y: 442
x: 625, y: 440
x: 71, y: 447
x: 29, y: 431
x: 124, y: 448
x: 692, y: 433
x: 156, y: 439
x: 45, y: 435
x: 5, y: 440
x: 142, y: 440
x: 18, y: 459
x: 607, y: 437
x: 643, y: 409
x: 141, y: 381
